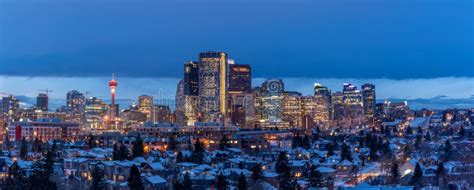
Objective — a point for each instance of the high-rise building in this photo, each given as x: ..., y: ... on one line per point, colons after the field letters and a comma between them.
x: 213, y: 85
x: 145, y: 105
x: 191, y: 78
x: 10, y: 108
x: 308, y: 108
x: 75, y: 99
x: 323, y: 100
x: 292, y: 112
x: 75, y: 106
x: 95, y: 112
x: 352, y: 98
x: 42, y: 102
x: 368, y: 96
x: 239, y: 95
x: 239, y: 78
x: 268, y: 102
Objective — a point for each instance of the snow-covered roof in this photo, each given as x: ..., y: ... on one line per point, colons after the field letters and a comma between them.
x: 155, y: 179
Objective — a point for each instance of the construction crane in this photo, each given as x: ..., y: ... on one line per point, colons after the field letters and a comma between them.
x: 47, y: 91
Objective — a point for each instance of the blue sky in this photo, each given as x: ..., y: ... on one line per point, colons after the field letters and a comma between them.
x: 395, y: 39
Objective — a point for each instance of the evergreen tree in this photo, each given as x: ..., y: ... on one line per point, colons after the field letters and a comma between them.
x: 428, y: 136
x: 98, y: 179
x: 134, y: 179
x: 242, y: 183
x: 395, y: 173
x: 409, y: 130
x: 49, y: 163
x: 16, y: 179
x: 296, y: 141
x: 440, y: 171
x: 418, y: 141
x: 462, y: 132
x: 417, y: 174
x: 345, y: 152
x: 316, y: 178
x: 137, y: 148
x: 187, y: 183
x: 36, y: 145
x: 286, y: 181
x: 179, y: 157
x: 171, y: 143
x: 24, y: 149
x: 124, y: 153
x: 330, y: 149
x: 177, y: 185
x: 224, y: 143
x: 257, y: 172
x: 91, y: 141
x: 306, y: 142
x: 115, y: 153
x: 221, y: 182
x: 373, y: 152
x: 281, y: 163
x: 198, y: 152
x: 447, y: 149
x: 39, y: 177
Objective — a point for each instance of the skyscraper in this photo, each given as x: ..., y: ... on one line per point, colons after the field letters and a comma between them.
x: 76, y: 105
x: 239, y: 78
x: 239, y: 94
x: 212, y: 84
x: 75, y: 99
x: 42, y: 102
x: 368, y: 96
x: 145, y: 105
x: 10, y: 108
x: 323, y: 100
x: 291, y: 111
x: 191, y: 78
x: 268, y: 102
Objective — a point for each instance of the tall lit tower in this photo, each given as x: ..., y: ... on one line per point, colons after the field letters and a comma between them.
x: 113, y: 86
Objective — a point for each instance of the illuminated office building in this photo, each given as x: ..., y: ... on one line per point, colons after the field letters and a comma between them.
x: 96, y: 113
x: 145, y: 105
x: 42, y: 102
x: 239, y: 78
x: 213, y: 85
x: 239, y: 96
x: 352, y: 98
x: 323, y: 100
x: 191, y: 78
x: 269, y: 103
x: 10, y: 108
x: 308, y: 108
x: 76, y: 103
x: 338, y: 105
x: 368, y: 99
x: 292, y: 112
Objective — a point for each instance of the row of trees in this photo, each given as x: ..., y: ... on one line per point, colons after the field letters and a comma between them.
x: 122, y: 152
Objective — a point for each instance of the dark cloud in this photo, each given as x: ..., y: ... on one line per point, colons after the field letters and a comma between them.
x: 323, y: 38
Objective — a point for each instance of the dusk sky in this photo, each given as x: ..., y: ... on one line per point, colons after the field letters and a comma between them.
x: 315, y: 38
x: 365, y: 39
